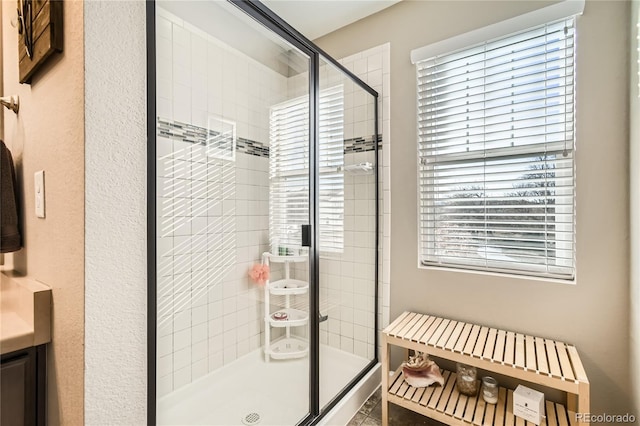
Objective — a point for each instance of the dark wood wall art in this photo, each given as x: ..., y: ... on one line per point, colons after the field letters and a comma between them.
x: 40, y: 34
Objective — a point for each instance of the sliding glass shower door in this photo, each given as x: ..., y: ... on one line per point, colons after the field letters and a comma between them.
x: 233, y: 166
x: 265, y: 155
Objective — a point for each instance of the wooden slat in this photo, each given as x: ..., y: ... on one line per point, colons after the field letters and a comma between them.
x: 418, y: 335
x: 400, y: 325
x: 410, y: 392
x: 418, y: 394
x: 481, y: 342
x: 408, y: 326
x: 479, y: 414
x: 489, y: 414
x: 520, y: 421
x: 509, y: 417
x: 436, y: 334
x: 530, y: 348
x: 435, y: 398
x: 471, y: 342
x: 552, y: 357
x: 395, y: 323
x: 396, y: 382
x: 455, y: 334
x: 460, y: 406
x: 578, y: 369
x: 572, y: 418
x: 498, y: 353
x: 446, y: 393
x: 446, y: 334
x: 404, y: 387
x: 453, y: 401
x: 565, y: 364
x: 541, y: 354
x: 428, y: 393
x: 519, y: 351
x: 562, y: 415
x: 490, y: 345
x: 510, y: 348
x: 501, y: 406
x: 462, y: 340
x: 432, y: 328
x: 551, y: 414
x: 411, y: 333
x: 471, y: 409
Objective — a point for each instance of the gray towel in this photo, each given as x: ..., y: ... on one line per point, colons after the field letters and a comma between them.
x: 9, y: 232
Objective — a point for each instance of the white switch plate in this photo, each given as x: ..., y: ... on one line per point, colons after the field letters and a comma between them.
x: 39, y: 189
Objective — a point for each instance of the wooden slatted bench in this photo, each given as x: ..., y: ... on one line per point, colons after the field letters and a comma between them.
x: 531, y: 359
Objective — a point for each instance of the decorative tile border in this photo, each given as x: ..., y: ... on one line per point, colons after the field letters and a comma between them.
x: 362, y: 144
x: 195, y: 134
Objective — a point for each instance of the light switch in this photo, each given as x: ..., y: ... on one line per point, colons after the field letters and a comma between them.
x: 39, y: 189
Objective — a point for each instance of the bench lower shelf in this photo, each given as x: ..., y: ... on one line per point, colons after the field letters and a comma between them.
x: 447, y: 405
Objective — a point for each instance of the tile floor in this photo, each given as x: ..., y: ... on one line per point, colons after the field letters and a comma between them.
x: 370, y: 414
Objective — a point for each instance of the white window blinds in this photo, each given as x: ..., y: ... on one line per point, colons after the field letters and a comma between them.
x: 495, y: 142
x: 289, y: 170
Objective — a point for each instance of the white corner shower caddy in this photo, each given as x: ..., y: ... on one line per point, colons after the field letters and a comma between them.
x: 287, y: 346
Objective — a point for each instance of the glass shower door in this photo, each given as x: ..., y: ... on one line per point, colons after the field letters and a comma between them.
x: 233, y: 164
x: 347, y: 230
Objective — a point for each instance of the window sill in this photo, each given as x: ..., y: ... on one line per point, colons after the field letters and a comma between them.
x: 500, y: 275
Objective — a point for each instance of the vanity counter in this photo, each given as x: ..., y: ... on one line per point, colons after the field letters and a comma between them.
x: 25, y: 313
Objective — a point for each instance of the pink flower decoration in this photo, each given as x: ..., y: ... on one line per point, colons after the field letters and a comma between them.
x: 259, y: 273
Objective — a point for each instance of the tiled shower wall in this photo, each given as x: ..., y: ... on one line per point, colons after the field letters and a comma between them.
x: 373, y: 67
x: 346, y: 281
x: 213, y: 214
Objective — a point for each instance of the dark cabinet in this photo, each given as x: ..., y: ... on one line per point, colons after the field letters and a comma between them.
x: 22, y: 387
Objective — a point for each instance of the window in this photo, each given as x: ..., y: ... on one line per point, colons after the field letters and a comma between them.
x: 496, y: 161
x: 289, y: 170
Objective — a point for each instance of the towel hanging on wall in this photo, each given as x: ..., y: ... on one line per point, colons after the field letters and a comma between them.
x: 9, y: 231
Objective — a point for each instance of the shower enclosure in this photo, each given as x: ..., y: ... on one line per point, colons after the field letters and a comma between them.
x: 263, y: 219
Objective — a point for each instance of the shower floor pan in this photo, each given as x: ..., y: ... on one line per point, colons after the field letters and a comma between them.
x: 277, y: 391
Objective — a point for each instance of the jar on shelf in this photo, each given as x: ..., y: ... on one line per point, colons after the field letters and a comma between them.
x: 490, y: 390
x: 466, y: 379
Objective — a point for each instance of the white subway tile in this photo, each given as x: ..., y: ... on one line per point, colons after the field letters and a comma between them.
x: 199, y: 315
x: 199, y: 350
x: 230, y: 322
x: 360, y: 349
x: 182, y: 339
x: 229, y: 354
x: 216, y: 327
x: 346, y: 344
x: 215, y: 361
x: 200, y: 368
x: 181, y: 358
x: 181, y: 37
x: 182, y: 377
x: 163, y: 27
x: 164, y: 385
x: 165, y: 345
x: 334, y: 340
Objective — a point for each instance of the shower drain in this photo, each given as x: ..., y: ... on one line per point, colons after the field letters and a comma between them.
x: 251, y: 419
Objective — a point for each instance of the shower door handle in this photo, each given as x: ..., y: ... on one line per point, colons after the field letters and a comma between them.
x: 306, y: 235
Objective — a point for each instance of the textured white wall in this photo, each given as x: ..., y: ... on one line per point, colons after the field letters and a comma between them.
x: 115, y: 213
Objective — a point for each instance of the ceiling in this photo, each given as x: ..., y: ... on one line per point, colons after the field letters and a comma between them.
x: 315, y: 18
